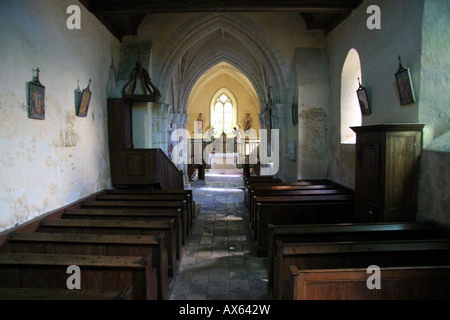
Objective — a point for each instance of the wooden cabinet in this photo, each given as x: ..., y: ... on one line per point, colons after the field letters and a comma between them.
x: 386, y: 185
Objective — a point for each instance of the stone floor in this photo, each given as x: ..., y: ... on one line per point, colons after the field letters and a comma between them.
x: 220, y: 262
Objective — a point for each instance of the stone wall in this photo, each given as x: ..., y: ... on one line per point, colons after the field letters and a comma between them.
x: 47, y: 164
x: 378, y: 49
x: 434, y: 111
x: 418, y: 32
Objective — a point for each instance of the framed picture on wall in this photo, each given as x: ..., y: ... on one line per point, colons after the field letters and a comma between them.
x: 36, y: 93
x: 294, y: 112
x: 85, y: 99
x: 363, y: 100
x: 404, y: 85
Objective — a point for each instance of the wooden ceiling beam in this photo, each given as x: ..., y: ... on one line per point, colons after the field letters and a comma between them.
x: 151, y: 6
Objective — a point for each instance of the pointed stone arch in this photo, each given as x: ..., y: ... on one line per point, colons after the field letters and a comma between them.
x: 208, y: 39
x: 223, y: 78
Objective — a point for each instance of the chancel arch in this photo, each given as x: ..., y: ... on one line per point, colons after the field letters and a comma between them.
x: 221, y: 79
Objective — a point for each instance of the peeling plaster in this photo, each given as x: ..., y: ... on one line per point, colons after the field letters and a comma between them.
x: 315, y: 130
x: 48, y: 164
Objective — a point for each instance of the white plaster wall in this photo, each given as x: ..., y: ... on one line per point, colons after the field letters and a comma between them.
x: 47, y: 164
x: 400, y: 34
x: 313, y: 112
x: 435, y: 82
x: 434, y: 186
x: 434, y: 111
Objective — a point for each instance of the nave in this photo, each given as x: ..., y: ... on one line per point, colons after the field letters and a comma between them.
x: 220, y: 262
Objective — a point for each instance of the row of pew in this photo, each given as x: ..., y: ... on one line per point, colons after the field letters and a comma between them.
x: 271, y: 201
x: 321, y: 257
x: 127, y: 244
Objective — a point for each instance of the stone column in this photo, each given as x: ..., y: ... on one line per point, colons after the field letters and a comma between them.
x: 279, y: 112
x: 159, y: 126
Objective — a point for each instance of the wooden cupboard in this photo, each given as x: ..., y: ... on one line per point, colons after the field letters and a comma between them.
x: 386, y: 179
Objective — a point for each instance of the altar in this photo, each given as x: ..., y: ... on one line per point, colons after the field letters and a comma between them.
x: 223, y: 160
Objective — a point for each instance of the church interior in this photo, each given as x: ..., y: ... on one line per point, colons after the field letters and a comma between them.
x: 333, y: 115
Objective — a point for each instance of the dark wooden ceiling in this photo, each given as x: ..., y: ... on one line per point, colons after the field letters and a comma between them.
x: 123, y: 17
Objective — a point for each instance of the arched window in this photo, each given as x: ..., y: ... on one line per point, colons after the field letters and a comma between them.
x: 224, y: 112
x: 350, y: 110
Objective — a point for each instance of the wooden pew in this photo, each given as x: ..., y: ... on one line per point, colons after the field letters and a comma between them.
x: 62, y: 294
x: 349, y: 255
x: 288, y: 186
x: 347, y: 232
x: 267, y: 183
x: 97, y: 245
x: 314, y: 209
x: 257, y: 194
x: 261, y: 179
x: 187, y: 193
x: 126, y: 227
x: 133, y: 215
x: 254, y: 180
x: 398, y: 283
x: 149, y: 195
x: 143, y: 205
x: 109, y: 273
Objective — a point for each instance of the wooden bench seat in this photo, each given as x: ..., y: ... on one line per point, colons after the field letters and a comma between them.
x: 398, y: 283
x: 126, y: 227
x: 187, y: 193
x: 314, y: 209
x: 349, y: 255
x: 348, y: 232
x: 154, y: 197
x: 62, y: 294
x: 254, y: 180
x: 284, y: 186
x: 249, y: 185
x: 142, y: 205
x: 97, y: 245
x: 133, y: 215
x: 258, y: 194
x: 108, y: 273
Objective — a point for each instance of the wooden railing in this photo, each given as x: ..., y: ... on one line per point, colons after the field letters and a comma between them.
x: 169, y: 177
x: 145, y: 168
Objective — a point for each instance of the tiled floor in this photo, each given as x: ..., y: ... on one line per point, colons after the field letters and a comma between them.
x: 220, y: 262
